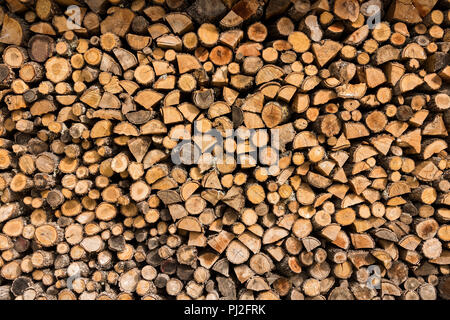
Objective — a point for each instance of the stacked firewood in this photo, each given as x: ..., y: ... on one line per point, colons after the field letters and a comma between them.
x: 330, y: 181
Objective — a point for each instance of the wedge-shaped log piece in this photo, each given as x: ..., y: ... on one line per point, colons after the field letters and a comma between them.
x: 148, y: 98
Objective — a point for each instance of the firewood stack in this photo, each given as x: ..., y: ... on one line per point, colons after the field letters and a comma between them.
x: 350, y: 200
